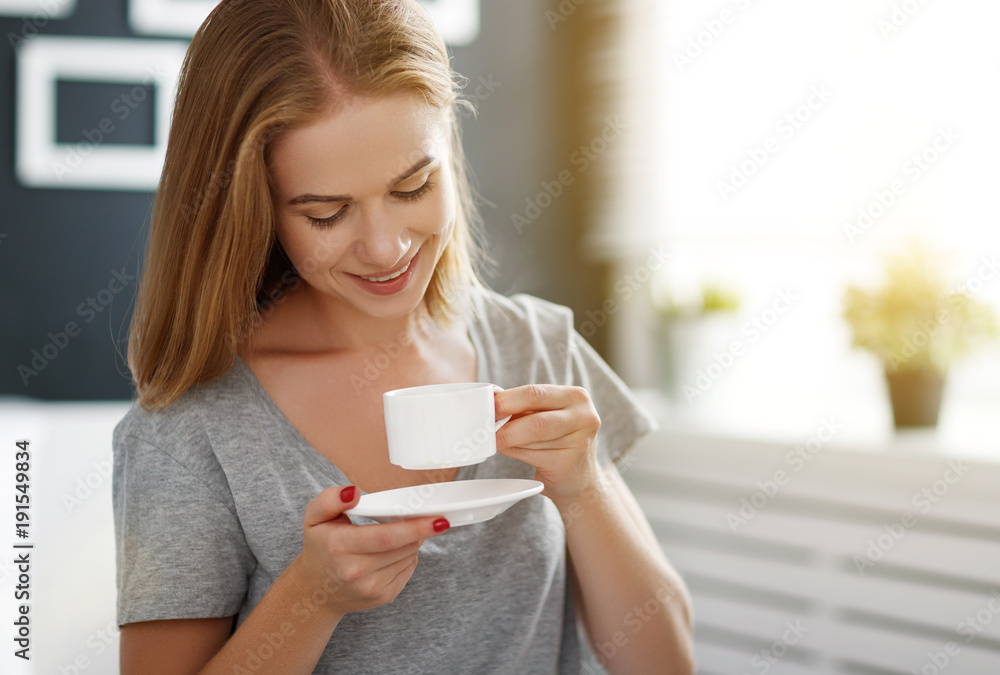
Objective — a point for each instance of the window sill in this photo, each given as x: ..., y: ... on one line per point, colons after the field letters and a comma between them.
x: 967, y: 429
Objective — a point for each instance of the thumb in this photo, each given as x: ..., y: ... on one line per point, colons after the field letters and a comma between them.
x: 330, y: 504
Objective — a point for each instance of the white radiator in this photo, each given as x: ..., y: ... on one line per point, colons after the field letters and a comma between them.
x: 825, y: 572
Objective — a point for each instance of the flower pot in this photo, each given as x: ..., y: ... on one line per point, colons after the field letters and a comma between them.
x: 915, y: 396
x: 688, y: 346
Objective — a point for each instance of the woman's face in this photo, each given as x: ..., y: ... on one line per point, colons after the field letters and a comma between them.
x: 365, y: 202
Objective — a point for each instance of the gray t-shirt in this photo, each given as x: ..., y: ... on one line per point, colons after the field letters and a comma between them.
x: 209, y: 495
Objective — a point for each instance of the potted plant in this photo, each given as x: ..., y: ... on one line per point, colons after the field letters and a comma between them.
x: 919, y: 324
x: 693, y: 322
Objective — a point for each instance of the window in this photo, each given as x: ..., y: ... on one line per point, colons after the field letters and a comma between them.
x: 794, y: 144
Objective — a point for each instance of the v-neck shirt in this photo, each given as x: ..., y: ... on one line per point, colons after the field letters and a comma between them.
x: 209, y: 495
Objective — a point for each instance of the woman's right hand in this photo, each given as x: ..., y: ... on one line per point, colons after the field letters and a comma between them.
x: 357, y: 567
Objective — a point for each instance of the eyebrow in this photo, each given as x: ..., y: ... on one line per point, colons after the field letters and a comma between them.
x: 307, y: 198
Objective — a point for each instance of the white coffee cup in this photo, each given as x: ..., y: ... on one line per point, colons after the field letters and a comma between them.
x: 440, y: 426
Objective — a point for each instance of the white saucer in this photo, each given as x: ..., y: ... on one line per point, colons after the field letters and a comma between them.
x: 462, y: 502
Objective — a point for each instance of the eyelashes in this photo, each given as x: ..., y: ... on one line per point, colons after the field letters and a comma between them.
x: 410, y: 196
x: 416, y: 194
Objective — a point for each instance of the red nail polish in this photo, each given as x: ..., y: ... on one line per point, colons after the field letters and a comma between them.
x: 441, y: 524
x: 347, y: 494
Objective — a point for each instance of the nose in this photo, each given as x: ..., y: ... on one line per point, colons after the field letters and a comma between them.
x: 382, y: 243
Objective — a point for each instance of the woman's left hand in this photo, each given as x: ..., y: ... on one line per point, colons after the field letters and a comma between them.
x: 553, y: 428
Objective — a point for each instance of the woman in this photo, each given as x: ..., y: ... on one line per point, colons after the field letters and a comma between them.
x: 311, y: 247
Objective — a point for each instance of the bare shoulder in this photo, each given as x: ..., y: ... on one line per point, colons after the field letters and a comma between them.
x: 174, y: 646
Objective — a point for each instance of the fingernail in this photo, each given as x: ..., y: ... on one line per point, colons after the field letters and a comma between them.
x: 441, y: 524
x: 347, y: 494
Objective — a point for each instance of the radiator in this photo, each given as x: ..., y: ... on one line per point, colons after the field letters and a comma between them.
x: 824, y: 560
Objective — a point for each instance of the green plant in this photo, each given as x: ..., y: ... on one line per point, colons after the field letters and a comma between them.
x: 712, y: 297
x: 917, y: 321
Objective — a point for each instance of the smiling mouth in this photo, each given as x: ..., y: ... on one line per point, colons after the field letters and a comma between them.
x: 389, y: 277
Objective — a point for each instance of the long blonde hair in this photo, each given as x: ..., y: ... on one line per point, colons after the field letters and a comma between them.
x: 254, y: 70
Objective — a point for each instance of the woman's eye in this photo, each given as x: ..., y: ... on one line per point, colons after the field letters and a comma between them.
x: 405, y: 196
x: 415, y: 194
x: 327, y: 222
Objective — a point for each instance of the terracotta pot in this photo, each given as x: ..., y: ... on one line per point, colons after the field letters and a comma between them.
x: 916, y: 397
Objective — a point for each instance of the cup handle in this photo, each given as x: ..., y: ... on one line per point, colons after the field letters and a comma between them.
x: 506, y: 419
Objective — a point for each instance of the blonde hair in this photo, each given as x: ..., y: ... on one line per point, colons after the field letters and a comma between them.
x: 254, y: 70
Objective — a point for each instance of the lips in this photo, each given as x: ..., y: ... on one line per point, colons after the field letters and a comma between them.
x: 391, y: 281
x: 390, y: 275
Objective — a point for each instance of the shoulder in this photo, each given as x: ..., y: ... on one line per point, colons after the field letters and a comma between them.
x: 531, y: 340
x: 523, y: 338
x: 522, y: 314
x: 158, y: 427
x: 178, y: 432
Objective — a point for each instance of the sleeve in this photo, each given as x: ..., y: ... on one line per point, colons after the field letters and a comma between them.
x: 525, y: 339
x: 624, y: 420
x: 180, y: 550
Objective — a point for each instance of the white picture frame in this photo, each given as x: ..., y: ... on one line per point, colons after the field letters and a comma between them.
x: 41, y: 161
x: 38, y: 12
x: 457, y: 20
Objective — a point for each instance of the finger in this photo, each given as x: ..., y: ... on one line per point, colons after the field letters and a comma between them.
x: 390, y: 536
x: 540, y: 427
x: 393, y: 580
x: 537, y: 397
x: 330, y: 503
x: 526, y: 455
x: 403, y: 574
x: 392, y: 557
x: 391, y: 570
x: 566, y: 442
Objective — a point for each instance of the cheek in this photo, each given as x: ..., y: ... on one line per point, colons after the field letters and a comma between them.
x: 431, y: 216
x: 446, y: 210
x: 445, y: 216
x: 308, y: 249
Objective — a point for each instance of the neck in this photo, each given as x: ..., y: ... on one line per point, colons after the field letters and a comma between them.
x: 331, y: 325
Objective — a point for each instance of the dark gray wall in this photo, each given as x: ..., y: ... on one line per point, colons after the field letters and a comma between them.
x: 62, y: 246
x: 60, y: 249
